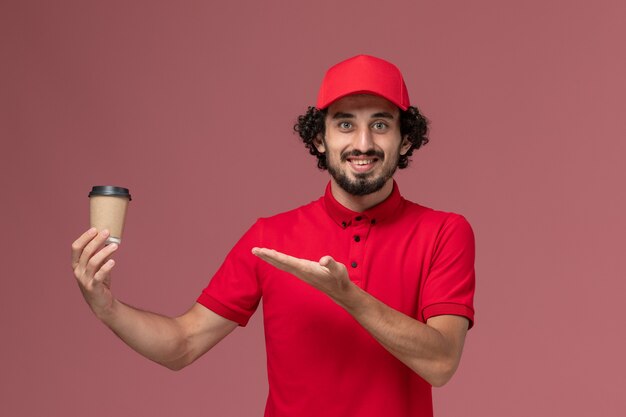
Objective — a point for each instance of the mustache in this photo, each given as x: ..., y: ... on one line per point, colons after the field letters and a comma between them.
x: 355, y: 152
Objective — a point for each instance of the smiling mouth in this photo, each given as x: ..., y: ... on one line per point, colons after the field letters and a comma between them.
x: 362, y: 166
x: 362, y: 161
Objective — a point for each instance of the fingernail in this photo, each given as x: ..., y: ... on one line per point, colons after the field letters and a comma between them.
x: 113, y: 246
x: 92, y: 230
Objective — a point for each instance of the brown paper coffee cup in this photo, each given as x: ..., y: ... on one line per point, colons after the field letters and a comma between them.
x: 107, y: 208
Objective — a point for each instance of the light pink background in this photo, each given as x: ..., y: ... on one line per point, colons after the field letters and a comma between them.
x: 190, y: 104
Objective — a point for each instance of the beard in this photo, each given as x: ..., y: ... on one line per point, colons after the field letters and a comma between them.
x: 363, y: 183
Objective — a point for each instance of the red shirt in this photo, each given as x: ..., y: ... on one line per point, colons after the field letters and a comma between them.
x: 321, y: 362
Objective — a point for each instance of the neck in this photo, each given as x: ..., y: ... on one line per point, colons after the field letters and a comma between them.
x: 363, y: 202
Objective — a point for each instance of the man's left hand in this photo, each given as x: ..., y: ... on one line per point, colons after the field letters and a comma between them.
x: 327, y: 275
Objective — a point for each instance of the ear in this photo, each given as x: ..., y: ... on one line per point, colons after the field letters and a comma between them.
x: 405, y: 145
x: 319, y: 143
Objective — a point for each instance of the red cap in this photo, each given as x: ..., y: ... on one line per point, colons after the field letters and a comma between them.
x: 363, y: 74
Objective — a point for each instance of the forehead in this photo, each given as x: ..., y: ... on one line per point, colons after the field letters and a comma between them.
x: 363, y: 103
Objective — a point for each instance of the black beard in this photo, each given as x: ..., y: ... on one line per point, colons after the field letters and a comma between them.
x: 362, y: 185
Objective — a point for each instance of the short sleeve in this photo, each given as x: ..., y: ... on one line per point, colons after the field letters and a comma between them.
x: 450, y: 284
x: 234, y: 291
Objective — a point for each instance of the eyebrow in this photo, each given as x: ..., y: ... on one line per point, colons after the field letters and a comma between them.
x: 342, y: 115
x: 384, y: 115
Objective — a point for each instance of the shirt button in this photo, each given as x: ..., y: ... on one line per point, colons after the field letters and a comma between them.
x: 357, y: 238
x: 358, y: 218
x: 373, y: 221
x: 353, y: 264
x: 344, y: 224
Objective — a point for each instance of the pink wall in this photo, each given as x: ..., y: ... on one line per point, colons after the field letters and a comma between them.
x: 190, y: 105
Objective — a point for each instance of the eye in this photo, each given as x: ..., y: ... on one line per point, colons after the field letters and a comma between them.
x: 345, y: 125
x: 379, y: 125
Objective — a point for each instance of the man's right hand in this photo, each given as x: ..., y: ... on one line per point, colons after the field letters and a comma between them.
x: 172, y: 342
x: 92, y: 269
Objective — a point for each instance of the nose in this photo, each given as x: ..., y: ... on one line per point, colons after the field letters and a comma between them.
x: 363, y: 140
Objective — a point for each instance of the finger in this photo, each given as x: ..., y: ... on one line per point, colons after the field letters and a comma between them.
x: 92, y: 247
x: 96, y: 261
x: 282, y: 261
x: 104, y: 271
x: 270, y: 256
x: 79, y: 244
x: 266, y: 253
x: 280, y: 257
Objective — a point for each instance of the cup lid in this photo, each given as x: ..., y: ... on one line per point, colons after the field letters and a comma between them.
x: 110, y: 190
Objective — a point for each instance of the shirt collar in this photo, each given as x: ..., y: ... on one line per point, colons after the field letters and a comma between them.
x: 344, y: 216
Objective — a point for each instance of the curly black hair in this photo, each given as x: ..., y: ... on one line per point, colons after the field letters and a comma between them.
x: 413, y: 125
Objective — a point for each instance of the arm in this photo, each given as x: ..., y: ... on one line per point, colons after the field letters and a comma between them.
x: 171, y: 342
x: 432, y: 350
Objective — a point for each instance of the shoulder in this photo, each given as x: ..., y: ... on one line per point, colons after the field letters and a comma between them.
x: 269, y: 230
x: 281, y: 222
x: 432, y: 218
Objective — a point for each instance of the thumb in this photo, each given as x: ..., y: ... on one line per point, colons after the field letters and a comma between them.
x: 332, y: 265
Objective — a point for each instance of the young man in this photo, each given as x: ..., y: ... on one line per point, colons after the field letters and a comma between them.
x: 367, y: 297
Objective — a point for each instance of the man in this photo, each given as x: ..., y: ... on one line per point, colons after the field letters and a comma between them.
x: 367, y: 296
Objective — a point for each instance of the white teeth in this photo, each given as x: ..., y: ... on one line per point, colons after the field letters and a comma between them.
x: 362, y: 161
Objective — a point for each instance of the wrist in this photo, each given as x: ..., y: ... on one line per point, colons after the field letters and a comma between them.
x: 351, y: 297
x: 107, y: 314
